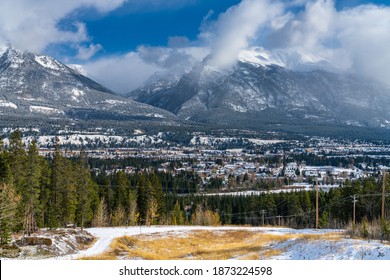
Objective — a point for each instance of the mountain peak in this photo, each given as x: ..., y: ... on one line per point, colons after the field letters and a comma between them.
x: 260, y: 89
x: 39, y: 85
x: 259, y: 56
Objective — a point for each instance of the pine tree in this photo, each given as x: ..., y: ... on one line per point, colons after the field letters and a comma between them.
x: 177, y: 216
x: 44, y: 193
x: 121, y: 187
x: 9, y: 203
x: 5, y: 171
x: 86, y: 192
x: 17, y: 159
x: 60, y: 193
x: 144, y: 196
x: 31, y: 190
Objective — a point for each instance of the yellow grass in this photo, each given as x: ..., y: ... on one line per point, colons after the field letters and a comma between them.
x: 202, y: 245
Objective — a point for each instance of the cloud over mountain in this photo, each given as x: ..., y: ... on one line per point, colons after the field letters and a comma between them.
x: 301, y: 33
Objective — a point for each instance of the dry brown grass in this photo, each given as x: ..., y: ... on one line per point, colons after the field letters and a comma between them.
x: 103, y: 257
x: 202, y: 245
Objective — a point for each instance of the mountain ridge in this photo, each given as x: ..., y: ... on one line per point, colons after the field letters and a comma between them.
x: 34, y: 85
x: 257, y: 88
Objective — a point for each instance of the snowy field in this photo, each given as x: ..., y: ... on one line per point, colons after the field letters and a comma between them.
x: 292, y: 249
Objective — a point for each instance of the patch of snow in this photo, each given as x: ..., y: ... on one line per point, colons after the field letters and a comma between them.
x: 4, y: 103
x: 353, y: 123
x: 160, y: 116
x: 265, y: 142
x: 114, y: 102
x: 259, y: 56
x: 343, y: 249
x: 78, y: 68
x: 47, y: 62
x: 90, y: 139
x: 77, y: 92
x: 238, y: 108
x: 26, y: 99
x: 45, y: 110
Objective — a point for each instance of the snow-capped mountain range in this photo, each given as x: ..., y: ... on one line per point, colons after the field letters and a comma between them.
x: 39, y: 85
x: 260, y: 88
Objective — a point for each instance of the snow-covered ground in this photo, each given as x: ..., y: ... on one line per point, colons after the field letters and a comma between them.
x: 344, y: 249
x: 292, y: 249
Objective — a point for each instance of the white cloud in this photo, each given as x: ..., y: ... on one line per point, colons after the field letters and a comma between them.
x: 85, y: 53
x: 354, y: 39
x: 234, y: 29
x: 120, y: 73
x: 33, y: 25
x: 364, y: 37
x: 124, y: 73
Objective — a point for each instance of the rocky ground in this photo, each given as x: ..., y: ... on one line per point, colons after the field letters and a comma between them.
x: 47, y: 244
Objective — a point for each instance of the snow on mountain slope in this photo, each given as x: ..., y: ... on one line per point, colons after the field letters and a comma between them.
x: 39, y: 86
x: 259, y: 56
x: 78, y: 68
x: 261, y: 88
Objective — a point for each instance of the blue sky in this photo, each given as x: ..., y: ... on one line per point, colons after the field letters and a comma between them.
x: 135, y: 38
x: 127, y: 27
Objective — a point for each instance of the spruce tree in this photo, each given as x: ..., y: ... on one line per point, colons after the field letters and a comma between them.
x: 17, y: 159
x: 56, y: 189
x: 144, y: 197
x: 31, y: 190
x: 5, y: 170
x: 86, y: 192
x: 9, y: 203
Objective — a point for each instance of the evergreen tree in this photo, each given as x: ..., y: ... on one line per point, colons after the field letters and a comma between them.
x: 31, y: 190
x: 17, y: 159
x: 86, y: 192
x: 61, y: 201
x: 177, y: 216
x: 9, y: 203
x: 121, y: 186
x: 144, y: 197
x: 5, y: 170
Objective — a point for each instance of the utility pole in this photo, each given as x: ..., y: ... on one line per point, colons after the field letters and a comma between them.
x: 317, y: 203
x: 354, y: 210
x: 262, y: 212
x: 383, y: 195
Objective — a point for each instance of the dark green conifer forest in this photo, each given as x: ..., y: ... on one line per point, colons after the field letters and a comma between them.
x: 39, y: 192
